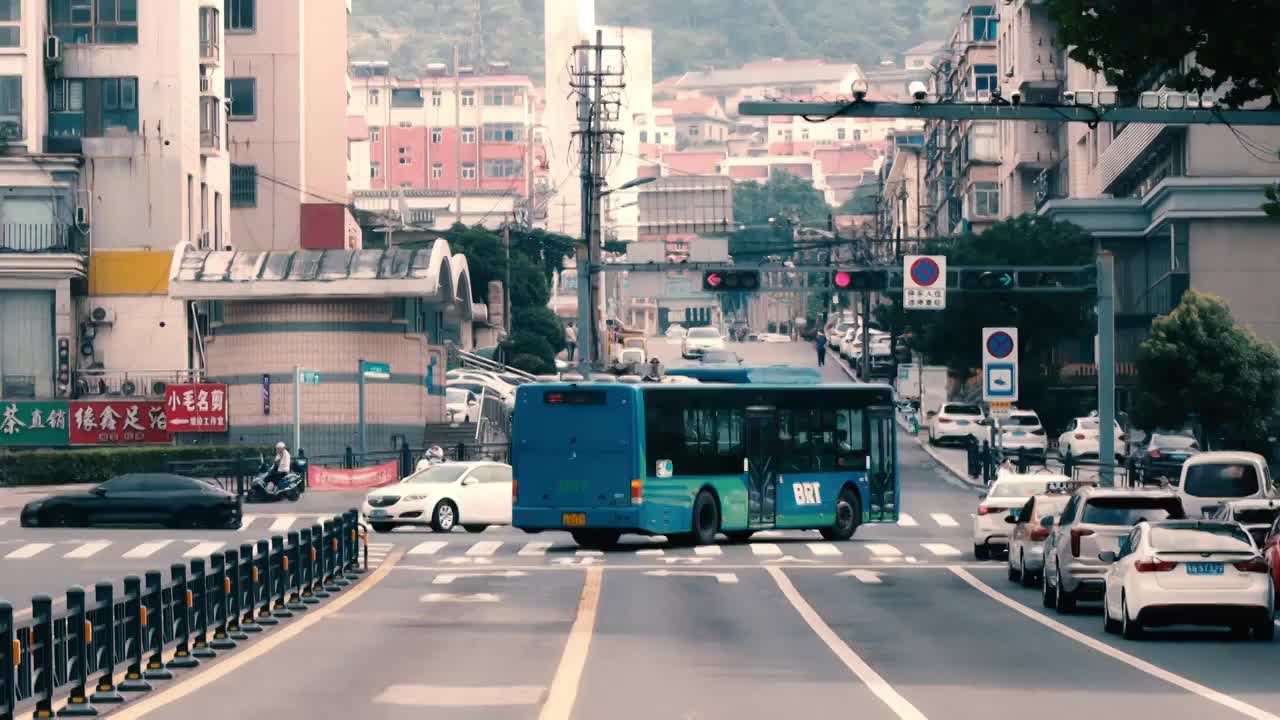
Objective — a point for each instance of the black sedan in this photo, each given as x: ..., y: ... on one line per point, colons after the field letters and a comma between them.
x: 1162, y: 457
x: 139, y: 499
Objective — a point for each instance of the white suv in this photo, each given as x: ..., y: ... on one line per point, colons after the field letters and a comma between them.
x: 1021, y: 431
x: 958, y: 421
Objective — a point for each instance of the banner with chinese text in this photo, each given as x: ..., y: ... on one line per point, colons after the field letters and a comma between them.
x: 201, y: 407
x: 33, y: 424
x: 324, y: 478
x: 118, y: 422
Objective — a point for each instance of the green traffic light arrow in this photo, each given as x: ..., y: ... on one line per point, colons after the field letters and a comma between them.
x: 1006, y: 279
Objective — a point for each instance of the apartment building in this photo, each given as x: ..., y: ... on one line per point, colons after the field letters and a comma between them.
x: 902, y: 188
x: 698, y: 120
x: 111, y: 118
x: 286, y: 61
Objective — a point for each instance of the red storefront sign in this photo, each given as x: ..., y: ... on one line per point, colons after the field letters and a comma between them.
x: 118, y: 422
x: 199, y: 407
x: 323, y: 478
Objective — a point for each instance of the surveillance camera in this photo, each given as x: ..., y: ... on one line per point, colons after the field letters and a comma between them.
x: 1068, y: 97
x: 918, y: 91
x: 1015, y: 97
x: 859, y: 89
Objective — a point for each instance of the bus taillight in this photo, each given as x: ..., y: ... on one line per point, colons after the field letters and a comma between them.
x: 637, y: 492
x: 515, y: 495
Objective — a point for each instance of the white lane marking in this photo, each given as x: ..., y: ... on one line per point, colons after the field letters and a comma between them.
x: 765, y: 549
x: 722, y: 578
x: 283, y: 523
x: 769, y: 534
x: 652, y: 552
x: 826, y: 549
x: 941, y: 549
x: 944, y: 519
x: 4, y: 521
x: 246, y: 521
x: 460, y: 697
x: 882, y: 550
x: 28, y: 551
x: 484, y: 548
x: 708, y: 550
x: 430, y: 547
x: 589, y: 553
x: 451, y: 597
x: 468, y: 561
x: 448, y: 578
x: 905, y: 520
x: 874, y: 682
x: 869, y: 577
x: 1097, y: 645
x: 88, y: 550
x: 204, y: 549
x: 564, y: 685
x: 146, y: 549
x: 534, y: 548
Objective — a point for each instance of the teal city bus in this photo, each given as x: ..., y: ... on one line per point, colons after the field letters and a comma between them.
x: 690, y: 460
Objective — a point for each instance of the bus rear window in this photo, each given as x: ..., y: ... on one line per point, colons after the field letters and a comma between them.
x: 574, y: 397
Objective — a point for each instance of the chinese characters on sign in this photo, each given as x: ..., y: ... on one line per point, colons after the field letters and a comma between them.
x: 200, y: 407
x: 33, y: 424
x: 112, y: 422
x: 924, y: 299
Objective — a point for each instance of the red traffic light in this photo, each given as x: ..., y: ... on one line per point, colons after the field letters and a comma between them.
x: 842, y: 279
x: 714, y: 280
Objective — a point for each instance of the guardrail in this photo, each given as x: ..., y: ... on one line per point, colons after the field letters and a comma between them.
x: 198, y: 612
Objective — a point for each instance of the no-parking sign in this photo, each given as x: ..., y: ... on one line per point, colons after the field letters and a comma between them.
x: 1000, y: 364
x: 924, y: 282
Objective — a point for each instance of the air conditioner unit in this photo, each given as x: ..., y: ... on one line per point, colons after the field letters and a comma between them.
x: 53, y: 49
x: 82, y: 215
x: 206, y: 85
x: 102, y: 316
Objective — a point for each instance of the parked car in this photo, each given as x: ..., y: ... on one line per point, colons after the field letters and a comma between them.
x: 1093, y: 522
x: 700, y: 339
x: 1186, y: 572
x: 1021, y: 432
x: 1160, y: 457
x: 964, y: 422
x: 1257, y: 516
x: 1211, y: 479
x: 474, y: 495
x: 1032, y: 524
x: 139, y: 499
x: 1080, y: 440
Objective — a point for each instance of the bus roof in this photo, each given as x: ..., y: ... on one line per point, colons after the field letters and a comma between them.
x: 772, y: 375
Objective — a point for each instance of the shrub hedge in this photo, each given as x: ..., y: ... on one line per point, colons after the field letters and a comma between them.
x: 95, y: 465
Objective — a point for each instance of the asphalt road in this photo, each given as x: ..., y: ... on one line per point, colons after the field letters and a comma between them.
x: 901, y: 622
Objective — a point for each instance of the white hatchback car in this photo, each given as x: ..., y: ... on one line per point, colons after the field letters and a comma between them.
x: 958, y: 422
x: 474, y: 495
x: 1188, y: 572
x: 1211, y: 479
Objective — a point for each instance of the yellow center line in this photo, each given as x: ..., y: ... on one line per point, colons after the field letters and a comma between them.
x: 564, y: 686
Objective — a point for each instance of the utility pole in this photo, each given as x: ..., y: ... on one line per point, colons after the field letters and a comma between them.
x: 1107, y: 360
x: 457, y: 135
x: 386, y: 151
x: 506, y: 284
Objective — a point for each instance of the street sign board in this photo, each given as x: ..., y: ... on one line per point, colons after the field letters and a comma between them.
x: 375, y: 370
x: 1000, y: 365
x: 924, y: 282
x: 309, y: 377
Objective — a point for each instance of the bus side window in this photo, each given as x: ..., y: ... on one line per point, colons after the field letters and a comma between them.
x: 851, y: 453
x: 793, y: 431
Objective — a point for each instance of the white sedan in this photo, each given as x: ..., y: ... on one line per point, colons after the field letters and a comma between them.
x: 1009, y: 493
x: 1188, y: 572
x: 1081, y: 440
x: 700, y: 339
x: 474, y: 495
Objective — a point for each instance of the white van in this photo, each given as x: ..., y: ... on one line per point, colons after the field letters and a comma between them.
x: 1211, y: 479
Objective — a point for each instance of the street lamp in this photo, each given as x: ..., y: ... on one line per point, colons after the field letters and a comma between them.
x: 628, y: 185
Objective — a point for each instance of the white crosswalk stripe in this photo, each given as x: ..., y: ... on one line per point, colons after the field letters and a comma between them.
x: 246, y: 521
x: 826, y: 549
x: 941, y: 549
x: 882, y: 550
x: 204, y: 549
x: 283, y: 523
x: 905, y: 520
x: 430, y: 547
x: 28, y: 551
x: 484, y: 548
x: 4, y: 521
x: 88, y: 550
x: 708, y: 550
x: 651, y: 552
x: 147, y: 549
x: 765, y: 549
x: 589, y: 553
x: 944, y: 519
x: 534, y: 549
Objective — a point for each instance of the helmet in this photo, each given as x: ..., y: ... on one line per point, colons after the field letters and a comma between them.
x: 280, y: 446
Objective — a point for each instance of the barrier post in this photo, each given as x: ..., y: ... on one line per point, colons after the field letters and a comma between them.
x: 105, y: 692
x: 294, y: 575
x: 306, y: 575
x: 203, y: 607
x: 281, y: 565
x: 81, y: 635
x: 235, y: 598
x: 341, y: 551
x: 219, y: 581
x: 249, y: 598
x: 352, y: 518
x: 8, y: 662
x: 317, y: 562
x: 42, y: 653
x: 264, y: 564
x: 153, y: 600
x: 183, y: 599
x: 331, y: 557
x: 135, y: 621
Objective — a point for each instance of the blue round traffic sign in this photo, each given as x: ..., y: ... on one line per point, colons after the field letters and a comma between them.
x: 925, y: 272
x: 1000, y: 345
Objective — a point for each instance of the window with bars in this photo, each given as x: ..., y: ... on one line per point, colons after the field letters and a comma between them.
x: 437, y: 170
x: 81, y: 22
x: 468, y: 135
x: 504, y: 132
x: 93, y: 107
x: 437, y: 136
x: 244, y: 186
x: 10, y: 23
x: 504, y: 168
x: 468, y: 171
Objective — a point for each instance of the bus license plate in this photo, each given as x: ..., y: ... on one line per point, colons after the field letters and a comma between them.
x: 1204, y: 568
x: 573, y: 519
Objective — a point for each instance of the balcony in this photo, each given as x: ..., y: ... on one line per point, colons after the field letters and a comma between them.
x: 142, y: 384
x: 42, y: 238
x: 210, y: 36
x: 210, y: 52
x: 210, y: 126
x: 1035, y: 146
x: 210, y: 141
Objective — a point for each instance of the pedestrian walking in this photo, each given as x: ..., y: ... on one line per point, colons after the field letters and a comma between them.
x: 570, y: 341
x: 821, y: 343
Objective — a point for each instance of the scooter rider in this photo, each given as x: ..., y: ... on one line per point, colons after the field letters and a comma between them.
x: 280, y: 467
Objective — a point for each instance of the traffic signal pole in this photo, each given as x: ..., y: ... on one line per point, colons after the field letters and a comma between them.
x: 1106, y: 367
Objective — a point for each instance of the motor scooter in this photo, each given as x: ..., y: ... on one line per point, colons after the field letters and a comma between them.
x: 287, y: 488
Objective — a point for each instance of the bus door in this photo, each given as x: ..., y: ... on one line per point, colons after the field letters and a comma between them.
x: 882, y: 464
x: 760, y: 452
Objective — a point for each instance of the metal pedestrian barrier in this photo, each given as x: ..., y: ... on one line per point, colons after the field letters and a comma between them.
x: 76, y: 654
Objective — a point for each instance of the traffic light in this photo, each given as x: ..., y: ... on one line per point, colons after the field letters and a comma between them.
x: 989, y: 280
x: 1032, y: 279
x: 730, y: 280
x: 860, y: 280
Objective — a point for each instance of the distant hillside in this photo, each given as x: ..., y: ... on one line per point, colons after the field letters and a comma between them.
x: 688, y: 34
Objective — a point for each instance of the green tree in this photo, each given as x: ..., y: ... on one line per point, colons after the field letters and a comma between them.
x: 486, y: 258
x: 536, y: 334
x: 1197, y: 360
x: 545, y: 248
x: 765, y: 211
x: 529, y: 287
x: 1136, y: 42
